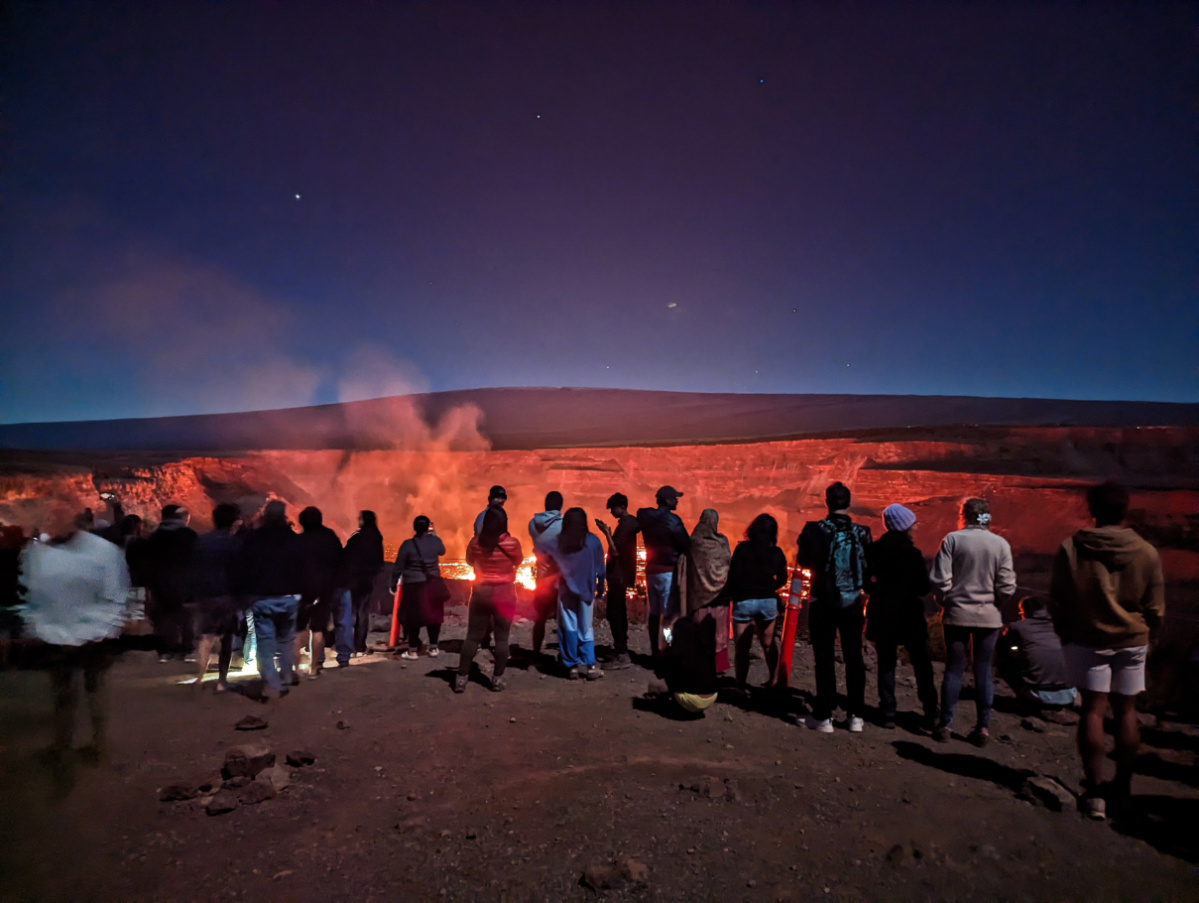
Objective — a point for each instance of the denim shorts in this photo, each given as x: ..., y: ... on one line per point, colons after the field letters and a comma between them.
x: 755, y: 610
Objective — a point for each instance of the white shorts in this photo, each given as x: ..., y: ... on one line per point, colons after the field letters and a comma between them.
x: 1120, y: 671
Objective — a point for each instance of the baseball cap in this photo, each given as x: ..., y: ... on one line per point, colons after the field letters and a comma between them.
x: 668, y: 492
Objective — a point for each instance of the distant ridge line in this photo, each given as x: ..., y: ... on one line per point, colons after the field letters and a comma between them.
x: 524, y: 418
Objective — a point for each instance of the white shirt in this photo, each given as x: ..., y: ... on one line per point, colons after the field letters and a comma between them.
x: 75, y: 593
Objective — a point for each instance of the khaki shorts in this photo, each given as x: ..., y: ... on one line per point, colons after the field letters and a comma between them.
x: 1119, y: 671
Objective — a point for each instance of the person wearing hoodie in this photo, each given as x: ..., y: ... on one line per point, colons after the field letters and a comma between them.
x: 1107, y: 596
x: 543, y: 531
x: 169, y: 553
x: 494, y: 554
x: 972, y: 575
x: 417, y: 560
x: 898, y: 583
x: 580, y: 559
x: 364, y: 561
x: 665, y: 539
x: 324, y: 585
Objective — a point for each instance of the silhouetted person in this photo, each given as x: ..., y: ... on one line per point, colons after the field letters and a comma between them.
x: 834, y: 550
x: 496, y: 498
x: 973, y: 576
x: 688, y: 664
x: 270, y: 573
x: 169, y: 557
x: 1107, y: 598
x: 621, y: 574
x: 364, y: 561
x: 544, y: 529
x: 322, y: 588
x: 213, y: 563
x: 1029, y: 657
x: 417, y: 561
x: 580, y: 559
x: 494, y: 554
x: 757, y: 571
x: 665, y: 539
x: 898, y: 583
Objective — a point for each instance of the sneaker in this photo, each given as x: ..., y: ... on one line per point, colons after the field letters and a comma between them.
x: 409, y: 655
x: 434, y: 652
x: 460, y: 681
x: 593, y: 672
x: 855, y: 724
x: 295, y: 679
x: 1093, y: 807
x: 979, y: 737
x: 164, y: 659
x: 314, y: 674
x: 820, y: 725
x: 499, y: 684
x: 343, y: 664
x: 887, y: 723
x: 619, y: 662
x: 573, y: 673
x: 942, y: 735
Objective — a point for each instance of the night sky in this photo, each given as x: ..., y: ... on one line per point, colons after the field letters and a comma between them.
x: 232, y: 206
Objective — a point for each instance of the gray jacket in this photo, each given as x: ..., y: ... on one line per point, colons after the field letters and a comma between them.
x: 973, y: 571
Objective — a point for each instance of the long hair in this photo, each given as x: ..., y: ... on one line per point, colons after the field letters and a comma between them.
x: 574, y: 531
x: 764, y: 531
x: 495, y: 525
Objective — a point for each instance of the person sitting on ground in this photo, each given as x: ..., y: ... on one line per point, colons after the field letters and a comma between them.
x: 580, y: 559
x: 757, y: 571
x: 1107, y: 598
x: 688, y: 664
x: 973, y: 576
x: 898, y: 582
x: 834, y: 550
x: 497, y: 496
x: 270, y: 572
x: 544, y: 530
x: 665, y: 540
x: 417, y: 561
x: 219, y: 610
x: 364, y: 561
x: 1030, y: 659
x: 494, y: 554
x: 324, y: 585
x: 621, y: 575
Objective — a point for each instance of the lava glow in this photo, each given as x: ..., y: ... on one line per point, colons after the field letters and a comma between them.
x: 460, y: 570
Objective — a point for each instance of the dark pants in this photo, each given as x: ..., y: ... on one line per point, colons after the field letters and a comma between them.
x: 93, y: 659
x: 922, y: 664
x: 545, y: 605
x: 825, y: 621
x: 957, y: 641
x: 362, y: 618
x: 485, y: 614
x: 618, y: 616
x: 173, y: 630
x: 412, y: 634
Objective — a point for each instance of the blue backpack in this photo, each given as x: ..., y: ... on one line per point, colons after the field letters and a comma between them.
x: 845, y: 568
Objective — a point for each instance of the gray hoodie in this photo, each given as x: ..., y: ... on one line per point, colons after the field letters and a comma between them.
x: 973, y: 570
x: 544, y: 529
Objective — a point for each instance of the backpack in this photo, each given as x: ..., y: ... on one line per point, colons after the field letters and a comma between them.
x: 844, y: 568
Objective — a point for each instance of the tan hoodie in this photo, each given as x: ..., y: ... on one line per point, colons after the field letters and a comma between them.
x: 1107, y: 590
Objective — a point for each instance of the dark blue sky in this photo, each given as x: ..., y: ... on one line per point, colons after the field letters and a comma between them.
x: 987, y: 199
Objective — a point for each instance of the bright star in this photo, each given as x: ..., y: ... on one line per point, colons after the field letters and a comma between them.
x: 297, y: 197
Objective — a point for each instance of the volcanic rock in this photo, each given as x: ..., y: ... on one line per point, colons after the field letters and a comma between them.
x: 247, y: 760
x: 177, y: 792
x: 225, y: 801
x: 250, y: 723
x: 278, y: 776
x: 256, y: 792
x: 1047, y: 792
x: 300, y: 757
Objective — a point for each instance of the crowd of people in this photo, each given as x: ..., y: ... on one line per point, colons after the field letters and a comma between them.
x: 280, y: 593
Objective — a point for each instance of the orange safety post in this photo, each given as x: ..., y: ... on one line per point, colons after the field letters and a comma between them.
x: 795, y: 601
x: 395, y: 618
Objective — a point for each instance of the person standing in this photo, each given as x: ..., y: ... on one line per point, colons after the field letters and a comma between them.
x: 544, y: 529
x: 621, y: 575
x: 364, y: 561
x: 219, y: 609
x: 169, y: 555
x: 270, y: 573
x: 834, y: 550
x: 417, y: 561
x: 580, y: 559
x: 665, y: 540
x: 494, y: 554
x: 757, y: 571
x: 703, y: 570
x: 898, y: 583
x: 1107, y: 598
x: 973, y: 575
x: 323, y: 586
x: 497, y: 496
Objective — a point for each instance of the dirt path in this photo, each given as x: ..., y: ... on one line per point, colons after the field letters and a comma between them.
x: 424, y: 795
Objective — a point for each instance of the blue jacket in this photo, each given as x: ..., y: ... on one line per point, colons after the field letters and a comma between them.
x: 665, y: 539
x: 582, y: 571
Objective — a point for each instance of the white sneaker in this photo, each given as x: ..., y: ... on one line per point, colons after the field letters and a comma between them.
x: 855, y: 724
x: 822, y: 727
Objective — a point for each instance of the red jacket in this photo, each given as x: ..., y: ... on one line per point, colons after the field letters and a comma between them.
x: 498, y: 566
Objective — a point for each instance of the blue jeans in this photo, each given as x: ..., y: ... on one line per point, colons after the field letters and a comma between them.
x: 956, y: 641
x: 343, y: 622
x: 658, y: 590
x: 275, y: 628
x: 576, y: 638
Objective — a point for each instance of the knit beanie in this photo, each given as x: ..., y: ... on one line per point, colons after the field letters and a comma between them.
x: 897, y: 517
